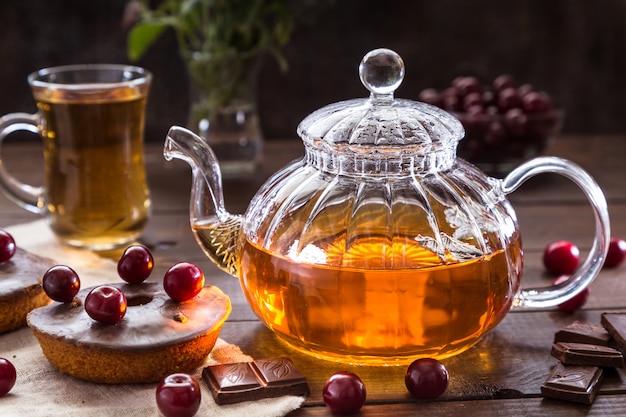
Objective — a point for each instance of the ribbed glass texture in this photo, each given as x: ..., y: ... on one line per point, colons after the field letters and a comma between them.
x: 317, y: 215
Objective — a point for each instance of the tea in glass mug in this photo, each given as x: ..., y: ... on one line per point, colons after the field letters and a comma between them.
x: 91, y: 119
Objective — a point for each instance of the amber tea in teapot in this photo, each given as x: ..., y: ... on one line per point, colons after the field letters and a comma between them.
x: 364, y: 311
x: 379, y: 246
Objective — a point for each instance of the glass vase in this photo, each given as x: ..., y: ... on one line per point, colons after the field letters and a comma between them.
x: 233, y: 129
x: 234, y: 134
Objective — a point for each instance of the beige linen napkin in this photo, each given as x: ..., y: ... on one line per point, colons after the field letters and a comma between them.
x: 41, y: 390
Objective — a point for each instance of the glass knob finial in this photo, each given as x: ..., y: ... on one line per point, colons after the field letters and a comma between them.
x: 381, y: 71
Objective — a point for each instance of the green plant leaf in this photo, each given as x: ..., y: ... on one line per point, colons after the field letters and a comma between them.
x: 142, y: 36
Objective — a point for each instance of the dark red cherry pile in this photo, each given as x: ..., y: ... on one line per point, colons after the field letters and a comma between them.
x: 344, y: 392
x: 503, y: 120
x: 561, y: 258
x: 106, y: 303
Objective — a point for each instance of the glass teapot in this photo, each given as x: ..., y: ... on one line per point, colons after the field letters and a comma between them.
x: 380, y: 245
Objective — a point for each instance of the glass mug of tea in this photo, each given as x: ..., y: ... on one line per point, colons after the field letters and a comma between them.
x: 91, y: 120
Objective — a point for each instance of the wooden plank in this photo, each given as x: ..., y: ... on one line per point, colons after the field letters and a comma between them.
x: 542, y: 224
x: 600, y: 155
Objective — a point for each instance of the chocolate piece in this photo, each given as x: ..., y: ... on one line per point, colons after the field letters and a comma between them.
x: 573, y: 383
x: 615, y: 324
x: 582, y: 332
x: 249, y: 381
x: 587, y: 354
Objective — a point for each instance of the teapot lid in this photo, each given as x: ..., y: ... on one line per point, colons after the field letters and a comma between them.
x: 381, y: 122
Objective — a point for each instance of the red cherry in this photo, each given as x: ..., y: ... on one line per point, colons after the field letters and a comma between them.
x: 7, y: 376
x: 61, y: 283
x: 450, y: 100
x: 106, y: 304
x: 471, y: 100
x: 516, y: 121
x: 524, y: 89
x: 616, y: 253
x: 536, y: 102
x: 183, y: 281
x: 344, y: 393
x: 178, y: 395
x: 495, y: 134
x: 135, y: 264
x: 508, y: 99
x: 426, y: 378
x: 577, y: 301
x: 561, y: 257
x: 467, y: 85
x: 489, y: 98
x: 475, y: 110
x: 502, y: 82
x: 7, y: 246
x: 430, y: 96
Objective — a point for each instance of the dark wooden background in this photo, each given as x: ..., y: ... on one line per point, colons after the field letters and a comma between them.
x: 573, y: 49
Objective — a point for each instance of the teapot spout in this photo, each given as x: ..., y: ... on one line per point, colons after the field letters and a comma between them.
x: 215, y: 229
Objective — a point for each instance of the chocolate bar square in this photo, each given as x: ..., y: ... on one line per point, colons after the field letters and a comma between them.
x: 583, y: 332
x: 573, y: 383
x: 615, y: 324
x: 587, y: 354
x: 249, y: 381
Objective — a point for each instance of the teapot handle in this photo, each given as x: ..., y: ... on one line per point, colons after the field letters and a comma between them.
x: 587, y: 272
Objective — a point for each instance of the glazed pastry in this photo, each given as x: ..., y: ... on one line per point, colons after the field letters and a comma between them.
x: 156, y: 337
x: 20, y: 288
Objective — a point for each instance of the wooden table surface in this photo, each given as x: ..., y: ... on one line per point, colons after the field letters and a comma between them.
x: 502, y: 374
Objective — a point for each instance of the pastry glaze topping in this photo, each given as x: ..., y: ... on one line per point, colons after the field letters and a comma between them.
x: 23, y: 270
x: 152, y: 319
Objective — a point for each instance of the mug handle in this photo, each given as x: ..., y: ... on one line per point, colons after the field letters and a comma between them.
x: 587, y: 272
x: 24, y: 195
